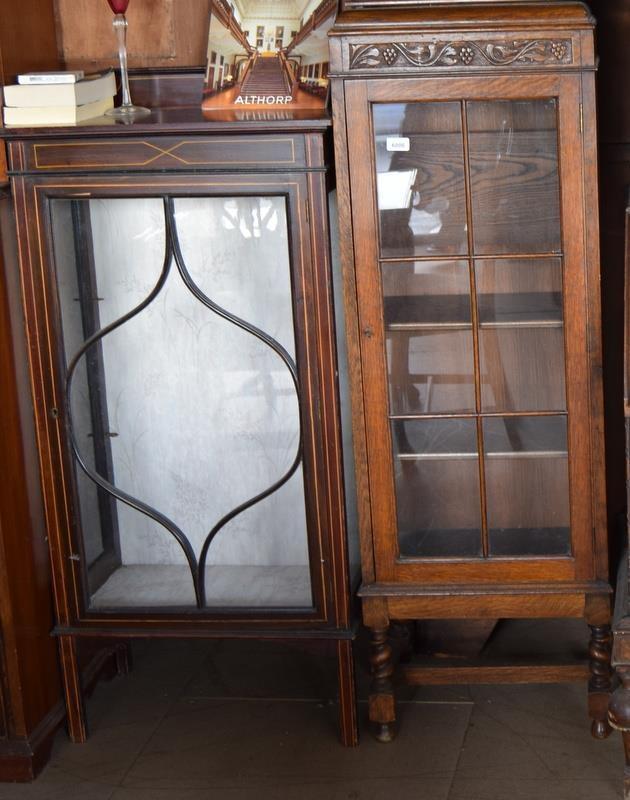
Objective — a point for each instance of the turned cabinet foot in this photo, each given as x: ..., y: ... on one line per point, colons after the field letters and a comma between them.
x: 600, y: 681
x: 384, y: 732
x: 73, y: 692
x: 382, y: 702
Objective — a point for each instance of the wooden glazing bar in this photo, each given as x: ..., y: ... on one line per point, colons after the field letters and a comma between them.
x: 525, y: 324
x: 485, y: 543
x: 464, y: 256
x: 473, y: 415
x: 428, y: 326
x: 461, y: 456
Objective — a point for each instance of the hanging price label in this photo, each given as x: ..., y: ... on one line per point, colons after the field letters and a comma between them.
x: 398, y: 144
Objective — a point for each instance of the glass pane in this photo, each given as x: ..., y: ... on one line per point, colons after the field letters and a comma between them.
x: 513, y: 148
x: 437, y: 487
x: 420, y: 179
x: 429, y: 336
x: 521, y: 334
x: 426, y: 293
x: 178, y: 407
x: 527, y: 485
x: 519, y: 290
x: 430, y: 371
x: 522, y: 367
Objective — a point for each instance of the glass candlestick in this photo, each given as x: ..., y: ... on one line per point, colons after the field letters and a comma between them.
x: 127, y: 110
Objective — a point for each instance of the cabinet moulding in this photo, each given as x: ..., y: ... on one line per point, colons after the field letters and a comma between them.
x: 462, y: 52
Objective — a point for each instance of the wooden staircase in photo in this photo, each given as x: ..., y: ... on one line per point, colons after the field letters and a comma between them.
x: 266, y: 77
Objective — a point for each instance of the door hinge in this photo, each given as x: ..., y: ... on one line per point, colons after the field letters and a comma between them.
x: 581, y: 118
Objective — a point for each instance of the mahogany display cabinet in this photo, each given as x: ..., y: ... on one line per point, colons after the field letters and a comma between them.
x: 466, y: 172
x: 176, y: 284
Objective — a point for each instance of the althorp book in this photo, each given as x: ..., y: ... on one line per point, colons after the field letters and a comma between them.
x: 257, y: 65
x: 56, y: 115
x: 88, y: 90
x: 51, y: 77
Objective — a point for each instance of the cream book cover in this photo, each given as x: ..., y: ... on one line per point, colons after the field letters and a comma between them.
x: 88, y: 90
x: 58, y: 115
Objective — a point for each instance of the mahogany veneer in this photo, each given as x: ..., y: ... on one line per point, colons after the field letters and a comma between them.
x: 177, y: 153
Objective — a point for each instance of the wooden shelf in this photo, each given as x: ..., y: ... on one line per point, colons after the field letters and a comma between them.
x: 425, y: 312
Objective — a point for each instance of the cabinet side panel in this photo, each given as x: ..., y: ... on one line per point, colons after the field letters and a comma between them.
x: 591, y: 244
x: 25, y: 596
x: 346, y: 261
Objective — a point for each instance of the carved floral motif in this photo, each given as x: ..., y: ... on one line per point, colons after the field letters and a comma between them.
x: 457, y: 53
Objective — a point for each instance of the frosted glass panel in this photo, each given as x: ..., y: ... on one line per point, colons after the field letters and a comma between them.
x: 189, y: 407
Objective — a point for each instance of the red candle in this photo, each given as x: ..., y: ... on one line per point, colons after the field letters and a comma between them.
x: 118, y: 6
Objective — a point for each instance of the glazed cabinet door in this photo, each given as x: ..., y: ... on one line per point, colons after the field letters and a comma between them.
x: 186, y: 440
x: 469, y: 243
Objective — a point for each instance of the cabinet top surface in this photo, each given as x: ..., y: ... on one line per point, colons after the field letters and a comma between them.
x: 475, y: 16
x: 181, y: 120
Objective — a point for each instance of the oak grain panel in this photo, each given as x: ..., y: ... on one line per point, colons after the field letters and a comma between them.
x: 527, y: 673
x: 486, y: 606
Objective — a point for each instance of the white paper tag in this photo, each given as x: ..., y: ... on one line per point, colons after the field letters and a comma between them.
x: 398, y: 144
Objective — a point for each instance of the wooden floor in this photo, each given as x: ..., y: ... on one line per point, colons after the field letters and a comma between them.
x: 238, y: 720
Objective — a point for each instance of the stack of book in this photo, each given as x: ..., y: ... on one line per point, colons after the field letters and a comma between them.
x: 58, y: 98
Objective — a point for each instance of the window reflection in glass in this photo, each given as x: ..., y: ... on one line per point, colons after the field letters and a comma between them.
x: 420, y: 178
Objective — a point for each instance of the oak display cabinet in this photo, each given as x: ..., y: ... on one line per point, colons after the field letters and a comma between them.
x: 465, y: 147
x: 178, y: 298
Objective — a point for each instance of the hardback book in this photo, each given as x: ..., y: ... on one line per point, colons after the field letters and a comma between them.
x: 56, y: 115
x: 88, y: 90
x: 51, y: 77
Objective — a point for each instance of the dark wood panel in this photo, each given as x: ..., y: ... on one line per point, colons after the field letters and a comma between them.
x: 165, y: 153
x: 27, y: 38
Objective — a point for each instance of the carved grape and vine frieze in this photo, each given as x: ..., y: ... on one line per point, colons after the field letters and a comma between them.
x: 461, y: 53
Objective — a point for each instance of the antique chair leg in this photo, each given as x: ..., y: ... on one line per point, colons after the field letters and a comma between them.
x: 619, y: 717
x: 348, y: 728
x: 381, y: 701
x: 600, y: 682
x: 71, y: 676
x: 123, y: 658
